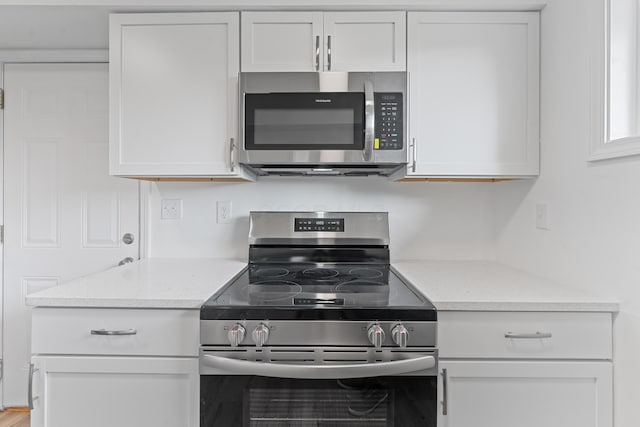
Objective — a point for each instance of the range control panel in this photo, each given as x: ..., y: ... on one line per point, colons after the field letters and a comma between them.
x: 388, y: 121
x: 319, y: 224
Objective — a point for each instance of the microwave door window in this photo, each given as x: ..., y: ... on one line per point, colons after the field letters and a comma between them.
x: 314, y: 128
x: 304, y: 121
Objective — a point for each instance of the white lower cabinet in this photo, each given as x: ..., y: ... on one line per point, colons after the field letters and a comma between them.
x: 75, y: 391
x: 525, y: 369
x: 525, y: 394
x: 107, y: 367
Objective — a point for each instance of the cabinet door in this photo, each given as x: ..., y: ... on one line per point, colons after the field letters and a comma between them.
x: 365, y: 41
x: 173, y: 94
x: 525, y: 394
x: 474, y: 84
x: 282, y: 41
x: 115, y: 391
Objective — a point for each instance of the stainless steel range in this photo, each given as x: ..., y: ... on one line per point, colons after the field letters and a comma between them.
x: 318, y: 330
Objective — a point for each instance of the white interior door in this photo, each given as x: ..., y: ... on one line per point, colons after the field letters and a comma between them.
x: 64, y: 215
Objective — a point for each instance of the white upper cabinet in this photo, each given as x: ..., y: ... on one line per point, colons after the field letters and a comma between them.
x: 323, y: 41
x: 474, y: 94
x: 365, y: 41
x: 173, y: 94
x: 282, y: 41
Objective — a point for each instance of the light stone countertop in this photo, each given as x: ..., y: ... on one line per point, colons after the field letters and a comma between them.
x: 490, y: 286
x: 189, y: 282
x: 148, y: 283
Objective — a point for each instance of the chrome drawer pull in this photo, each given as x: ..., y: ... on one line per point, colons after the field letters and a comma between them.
x: 536, y: 335
x: 113, y: 332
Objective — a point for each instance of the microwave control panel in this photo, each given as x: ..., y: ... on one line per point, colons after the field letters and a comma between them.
x: 388, y: 121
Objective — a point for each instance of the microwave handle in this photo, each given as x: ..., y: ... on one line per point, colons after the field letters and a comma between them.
x: 369, y: 121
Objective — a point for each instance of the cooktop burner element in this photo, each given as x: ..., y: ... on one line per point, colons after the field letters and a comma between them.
x: 272, y: 273
x: 320, y: 273
x: 366, y: 273
x: 360, y: 286
x: 270, y: 291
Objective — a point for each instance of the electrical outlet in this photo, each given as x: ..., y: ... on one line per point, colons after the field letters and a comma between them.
x: 171, y: 209
x: 224, y: 211
x: 542, y: 216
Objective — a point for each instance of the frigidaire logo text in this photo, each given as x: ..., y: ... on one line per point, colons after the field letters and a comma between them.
x: 323, y: 100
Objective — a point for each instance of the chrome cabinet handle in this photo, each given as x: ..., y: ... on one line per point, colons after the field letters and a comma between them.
x: 445, y: 392
x: 113, y: 332
x: 283, y: 370
x: 328, y: 53
x: 369, y: 121
x: 30, y: 398
x: 413, y: 155
x: 317, y: 53
x: 528, y: 336
x: 232, y: 146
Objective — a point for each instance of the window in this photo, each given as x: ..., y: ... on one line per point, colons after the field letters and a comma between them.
x: 616, y: 98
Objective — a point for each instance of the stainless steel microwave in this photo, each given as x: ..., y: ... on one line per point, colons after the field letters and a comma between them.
x: 290, y: 127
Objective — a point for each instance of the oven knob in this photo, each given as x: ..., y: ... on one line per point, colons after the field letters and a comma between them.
x: 260, y: 335
x: 236, y: 335
x: 376, y: 335
x: 400, y: 335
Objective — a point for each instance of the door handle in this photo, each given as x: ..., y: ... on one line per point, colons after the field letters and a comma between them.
x: 126, y: 260
x: 128, y: 239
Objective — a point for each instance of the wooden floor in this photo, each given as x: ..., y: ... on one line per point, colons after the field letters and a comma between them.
x: 17, y: 417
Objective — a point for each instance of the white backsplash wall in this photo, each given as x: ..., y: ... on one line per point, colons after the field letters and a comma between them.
x: 593, y: 236
x: 427, y: 220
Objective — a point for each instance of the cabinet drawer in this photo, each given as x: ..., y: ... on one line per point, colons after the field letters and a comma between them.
x: 521, y: 335
x: 154, y: 332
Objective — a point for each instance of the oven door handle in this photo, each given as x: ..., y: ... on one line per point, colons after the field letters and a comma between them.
x: 299, y: 371
x: 369, y: 121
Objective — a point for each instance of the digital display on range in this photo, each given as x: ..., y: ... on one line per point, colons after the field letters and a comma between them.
x: 319, y: 224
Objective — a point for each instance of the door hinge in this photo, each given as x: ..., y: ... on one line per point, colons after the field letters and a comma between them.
x: 1, y: 99
x: 1, y: 369
x: 1, y: 243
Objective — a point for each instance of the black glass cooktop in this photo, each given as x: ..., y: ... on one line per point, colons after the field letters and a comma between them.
x: 318, y: 291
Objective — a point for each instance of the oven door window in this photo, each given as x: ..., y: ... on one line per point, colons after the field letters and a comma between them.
x: 252, y: 401
x: 304, y: 121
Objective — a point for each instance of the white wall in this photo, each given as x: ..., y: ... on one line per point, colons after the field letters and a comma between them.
x: 594, y: 237
x: 427, y: 220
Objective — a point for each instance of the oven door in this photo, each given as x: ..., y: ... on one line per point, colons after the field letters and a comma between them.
x: 400, y: 392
